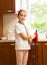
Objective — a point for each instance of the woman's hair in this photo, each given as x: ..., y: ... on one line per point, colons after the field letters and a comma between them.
x: 20, y: 11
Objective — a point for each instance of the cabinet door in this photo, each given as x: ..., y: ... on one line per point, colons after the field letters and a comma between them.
x: 7, y: 54
x: 39, y: 51
x: 45, y: 53
x: 12, y: 54
x: 4, y: 54
x: 1, y: 6
x: 7, y: 6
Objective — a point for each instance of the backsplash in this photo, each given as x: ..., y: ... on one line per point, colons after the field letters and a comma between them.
x: 9, y: 21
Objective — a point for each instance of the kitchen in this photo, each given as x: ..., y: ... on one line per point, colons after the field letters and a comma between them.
x: 38, y: 53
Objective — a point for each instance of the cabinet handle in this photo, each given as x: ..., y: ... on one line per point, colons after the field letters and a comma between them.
x: 9, y: 10
x: 12, y: 44
x: 34, y: 44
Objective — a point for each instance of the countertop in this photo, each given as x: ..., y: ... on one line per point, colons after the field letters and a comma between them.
x: 7, y: 40
x: 42, y: 40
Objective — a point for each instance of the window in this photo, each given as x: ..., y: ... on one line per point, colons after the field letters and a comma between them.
x: 21, y: 4
x: 38, y: 14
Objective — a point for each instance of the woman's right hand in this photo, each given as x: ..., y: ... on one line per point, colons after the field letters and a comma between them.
x: 31, y: 37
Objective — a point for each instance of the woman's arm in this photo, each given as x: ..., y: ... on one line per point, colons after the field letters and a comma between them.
x: 25, y: 37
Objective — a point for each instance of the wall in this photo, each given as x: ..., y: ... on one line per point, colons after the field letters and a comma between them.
x: 9, y: 21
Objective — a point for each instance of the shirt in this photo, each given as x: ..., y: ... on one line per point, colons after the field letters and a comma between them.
x: 20, y: 44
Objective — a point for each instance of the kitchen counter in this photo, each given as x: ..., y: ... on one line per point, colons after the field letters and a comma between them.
x: 42, y: 40
x: 7, y: 40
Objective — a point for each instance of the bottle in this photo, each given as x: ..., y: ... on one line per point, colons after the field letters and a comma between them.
x: 36, y: 37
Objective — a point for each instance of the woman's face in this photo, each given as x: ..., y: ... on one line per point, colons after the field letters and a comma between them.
x: 22, y: 16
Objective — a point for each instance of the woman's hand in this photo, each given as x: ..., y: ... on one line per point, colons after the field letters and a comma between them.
x: 31, y: 37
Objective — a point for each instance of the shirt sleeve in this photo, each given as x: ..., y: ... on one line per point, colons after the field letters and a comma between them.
x: 18, y: 29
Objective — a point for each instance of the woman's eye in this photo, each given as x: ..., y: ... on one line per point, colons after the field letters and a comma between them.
x: 24, y: 15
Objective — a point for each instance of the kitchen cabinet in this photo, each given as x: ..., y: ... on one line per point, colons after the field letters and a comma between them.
x: 7, y: 6
x: 39, y: 51
x: 37, y: 54
x: 7, y: 53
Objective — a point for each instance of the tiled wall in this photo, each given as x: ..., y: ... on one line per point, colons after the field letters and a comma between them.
x: 9, y: 21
